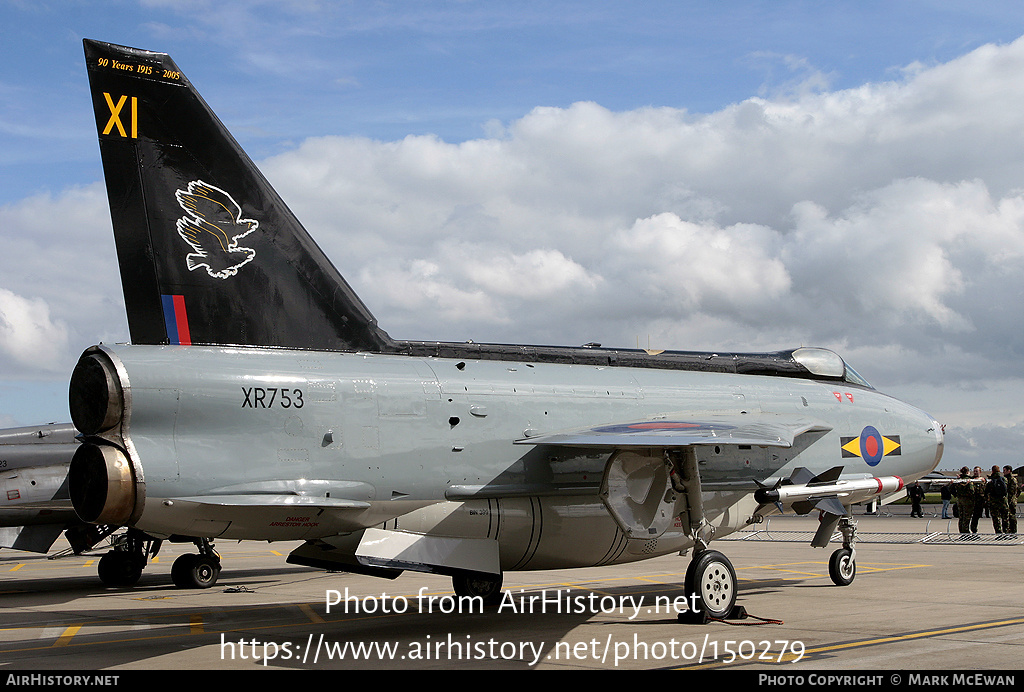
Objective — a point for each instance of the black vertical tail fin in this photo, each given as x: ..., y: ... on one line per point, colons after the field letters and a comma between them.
x: 208, y: 251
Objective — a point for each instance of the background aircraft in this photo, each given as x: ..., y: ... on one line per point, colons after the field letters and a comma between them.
x: 260, y: 400
x: 34, y: 503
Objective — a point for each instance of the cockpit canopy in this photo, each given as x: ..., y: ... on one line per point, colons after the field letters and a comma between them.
x: 826, y: 363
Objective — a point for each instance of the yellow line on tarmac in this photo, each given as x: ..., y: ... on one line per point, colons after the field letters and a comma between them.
x: 789, y: 658
x: 65, y: 638
x: 311, y: 614
x: 195, y: 623
x: 915, y: 635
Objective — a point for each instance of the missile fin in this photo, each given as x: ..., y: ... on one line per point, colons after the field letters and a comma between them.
x: 803, y: 507
x: 830, y: 476
x: 832, y: 507
x: 801, y: 476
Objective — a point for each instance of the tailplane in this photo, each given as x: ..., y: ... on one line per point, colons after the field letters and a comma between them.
x: 208, y: 251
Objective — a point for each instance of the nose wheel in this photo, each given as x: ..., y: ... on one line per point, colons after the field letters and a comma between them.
x: 842, y: 565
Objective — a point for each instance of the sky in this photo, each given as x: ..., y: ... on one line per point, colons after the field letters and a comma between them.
x: 740, y: 176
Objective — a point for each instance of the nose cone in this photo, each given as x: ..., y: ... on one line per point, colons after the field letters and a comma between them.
x: 925, y: 450
x: 940, y: 437
x: 921, y: 441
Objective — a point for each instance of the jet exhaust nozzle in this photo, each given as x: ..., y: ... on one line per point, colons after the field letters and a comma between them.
x: 102, y: 485
x: 95, y: 395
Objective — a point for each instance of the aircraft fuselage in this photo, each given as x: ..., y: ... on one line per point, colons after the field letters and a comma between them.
x: 426, y: 444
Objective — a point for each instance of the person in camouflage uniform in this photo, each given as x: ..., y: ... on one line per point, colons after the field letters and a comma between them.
x: 979, y: 498
x: 966, y: 499
x: 1013, y: 489
x: 995, y: 495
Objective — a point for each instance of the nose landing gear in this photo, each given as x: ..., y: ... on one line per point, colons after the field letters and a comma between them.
x: 842, y: 565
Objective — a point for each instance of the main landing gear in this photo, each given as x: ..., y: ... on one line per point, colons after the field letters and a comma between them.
x: 485, y: 586
x: 122, y: 566
x: 711, y: 585
x: 191, y: 571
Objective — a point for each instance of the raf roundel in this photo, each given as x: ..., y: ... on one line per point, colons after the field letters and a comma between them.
x: 872, y: 447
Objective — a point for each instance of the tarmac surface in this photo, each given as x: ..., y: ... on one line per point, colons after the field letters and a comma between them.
x: 929, y: 607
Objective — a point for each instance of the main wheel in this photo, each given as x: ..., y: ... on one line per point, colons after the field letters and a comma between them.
x: 711, y: 579
x: 842, y: 567
x: 191, y: 571
x: 119, y: 568
x: 485, y: 588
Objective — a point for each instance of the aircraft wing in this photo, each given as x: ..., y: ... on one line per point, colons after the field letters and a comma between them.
x: 671, y: 431
x: 762, y: 430
x: 638, y: 488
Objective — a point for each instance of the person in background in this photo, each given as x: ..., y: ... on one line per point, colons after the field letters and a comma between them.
x: 995, y: 498
x: 916, y: 493
x: 979, y: 498
x: 965, y: 500
x: 1012, y: 490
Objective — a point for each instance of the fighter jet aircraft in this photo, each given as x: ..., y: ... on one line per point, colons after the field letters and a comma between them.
x: 259, y: 399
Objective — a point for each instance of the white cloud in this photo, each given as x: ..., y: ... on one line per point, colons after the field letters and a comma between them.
x: 537, y: 274
x: 27, y: 333
x: 689, y: 268
x: 59, y: 250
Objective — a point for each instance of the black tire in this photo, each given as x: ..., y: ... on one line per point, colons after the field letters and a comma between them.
x: 180, y: 568
x: 842, y: 567
x: 711, y: 584
x: 488, y: 589
x: 119, y: 568
x: 191, y: 571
